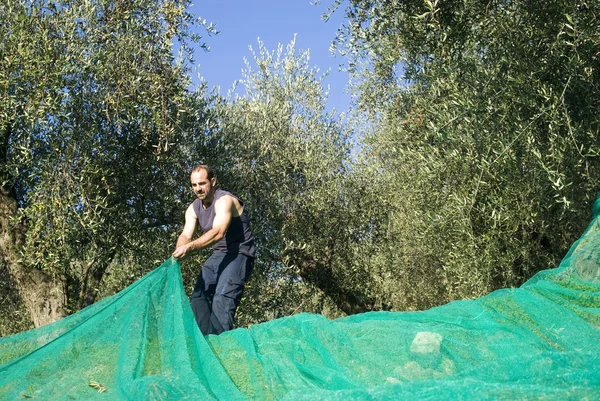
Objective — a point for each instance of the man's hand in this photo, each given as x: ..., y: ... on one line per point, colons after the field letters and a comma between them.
x: 181, y: 251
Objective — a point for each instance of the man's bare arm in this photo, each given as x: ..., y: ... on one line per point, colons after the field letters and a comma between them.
x: 186, y: 235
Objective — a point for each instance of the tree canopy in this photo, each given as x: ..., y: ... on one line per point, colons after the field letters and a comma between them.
x: 484, y: 137
x: 468, y: 164
x: 93, y: 104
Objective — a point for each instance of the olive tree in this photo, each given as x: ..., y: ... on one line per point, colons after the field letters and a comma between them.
x: 288, y: 157
x: 483, y: 138
x: 93, y: 106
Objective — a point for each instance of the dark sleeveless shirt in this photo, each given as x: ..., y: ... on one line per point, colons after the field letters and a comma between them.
x: 238, y: 238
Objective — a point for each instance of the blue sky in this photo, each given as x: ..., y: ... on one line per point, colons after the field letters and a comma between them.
x: 242, y: 22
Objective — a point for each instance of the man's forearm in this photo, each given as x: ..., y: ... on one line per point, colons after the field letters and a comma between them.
x: 206, y: 239
x: 182, y: 240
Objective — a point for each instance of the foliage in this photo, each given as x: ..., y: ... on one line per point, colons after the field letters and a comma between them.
x: 477, y: 169
x: 93, y: 106
x: 287, y: 158
x: 483, y: 147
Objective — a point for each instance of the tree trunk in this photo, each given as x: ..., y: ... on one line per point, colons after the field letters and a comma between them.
x: 43, y: 295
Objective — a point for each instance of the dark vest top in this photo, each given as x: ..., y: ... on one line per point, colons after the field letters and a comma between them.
x: 238, y: 238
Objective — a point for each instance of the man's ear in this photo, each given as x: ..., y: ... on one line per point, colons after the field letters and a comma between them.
x: 213, y: 181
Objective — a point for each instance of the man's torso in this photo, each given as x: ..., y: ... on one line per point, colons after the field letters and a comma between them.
x: 239, y: 237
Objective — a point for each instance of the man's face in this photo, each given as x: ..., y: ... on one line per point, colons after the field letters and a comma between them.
x: 202, y: 186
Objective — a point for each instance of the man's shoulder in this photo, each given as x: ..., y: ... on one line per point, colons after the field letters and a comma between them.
x: 192, y: 207
x: 195, y: 207
x: 222, y: 193
x: 225, y: 199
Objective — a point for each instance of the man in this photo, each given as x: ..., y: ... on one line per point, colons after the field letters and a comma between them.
x: 226, y: 227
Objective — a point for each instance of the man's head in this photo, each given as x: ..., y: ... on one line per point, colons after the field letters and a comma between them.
x: 203, y: 183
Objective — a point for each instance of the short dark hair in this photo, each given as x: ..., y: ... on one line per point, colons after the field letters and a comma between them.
x: 209, y: 172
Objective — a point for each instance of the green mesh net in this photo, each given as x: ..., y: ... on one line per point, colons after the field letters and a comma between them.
x: 540, y: 341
